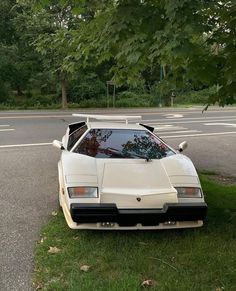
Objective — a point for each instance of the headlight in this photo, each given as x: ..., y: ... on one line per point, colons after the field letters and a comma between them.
x: 83, y: 192
x: 189, y: 192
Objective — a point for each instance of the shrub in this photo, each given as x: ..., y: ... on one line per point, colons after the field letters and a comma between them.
x: 93, y: 103
x: 89, y: 87
x: 126, y: 95
x: 40, y: 101
x: 4, y: 92
x: 131, y: 99
x: 195, y: 97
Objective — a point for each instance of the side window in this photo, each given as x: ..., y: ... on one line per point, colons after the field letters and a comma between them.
x: 75, y: 136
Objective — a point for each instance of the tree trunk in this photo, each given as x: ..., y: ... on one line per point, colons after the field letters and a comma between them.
x: 63, y: 93
x: 19, y: 92
x: 164, y: 71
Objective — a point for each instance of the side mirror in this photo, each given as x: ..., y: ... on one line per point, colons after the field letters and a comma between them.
x: 182, y: 146
x: 58, y: 144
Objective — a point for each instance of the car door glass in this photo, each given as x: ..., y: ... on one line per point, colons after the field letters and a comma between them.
x: 75, y: 136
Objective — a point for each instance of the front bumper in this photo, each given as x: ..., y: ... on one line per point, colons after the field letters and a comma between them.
x: 108, y: 212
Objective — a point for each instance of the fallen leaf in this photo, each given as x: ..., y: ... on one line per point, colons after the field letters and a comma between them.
x: 220, y: 288
x: 75, y: 237
x: 39, y: 286
x: 54, y: 213
x: 147, y: 283
x: 43, y: 239
x: 85, y: 268
x: 54, y: 250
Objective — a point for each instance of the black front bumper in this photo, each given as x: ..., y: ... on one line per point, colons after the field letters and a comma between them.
x: 108, y: 212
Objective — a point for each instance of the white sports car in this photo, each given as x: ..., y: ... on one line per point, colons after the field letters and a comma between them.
x: 118, y: 175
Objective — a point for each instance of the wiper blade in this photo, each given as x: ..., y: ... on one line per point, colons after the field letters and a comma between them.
x: 128, y: 154
x: 115, y: 151
x: 140, y: 156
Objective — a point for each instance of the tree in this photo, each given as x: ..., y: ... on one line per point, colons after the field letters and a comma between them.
x: 54, y: 49
x: 52, y: 23
x: 179, y: 35
x: 18, y: 60
x: 158, y: 43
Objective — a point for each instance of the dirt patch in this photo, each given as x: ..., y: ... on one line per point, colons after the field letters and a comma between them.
x: 226, y: 180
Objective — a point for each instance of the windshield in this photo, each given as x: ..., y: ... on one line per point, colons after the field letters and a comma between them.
x: 122, y: 143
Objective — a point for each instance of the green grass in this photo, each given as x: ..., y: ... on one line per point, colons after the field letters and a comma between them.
x: 192, y: 259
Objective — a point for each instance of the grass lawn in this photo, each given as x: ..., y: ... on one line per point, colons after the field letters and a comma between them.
x: 191, y: 259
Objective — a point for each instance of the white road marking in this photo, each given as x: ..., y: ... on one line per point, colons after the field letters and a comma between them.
x: 34, y: 116
x: 222, y: 124
x: 200, y: 134
x: 182, y: 131
x: 196, y: 118
x: 188, y: 111
x: 169, y: 127
x: 4, y: 125
x: 186, y: 122
x: 173, y: 115
x: 25, y: 145
x: 10, y: 129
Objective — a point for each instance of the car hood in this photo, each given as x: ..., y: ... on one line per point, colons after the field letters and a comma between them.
x: 130, y: 174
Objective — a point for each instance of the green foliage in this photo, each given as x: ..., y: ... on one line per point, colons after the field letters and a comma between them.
x: 160, y: 46
x: 41, y: 101
x: 132, y: 99
x: 195, y: 97
x: 29, y: 101
x: 18, y: 61
x: 180, y: 35
x: 4, y: 92
x: 93, y: 103
x: 86, y: 87
x: 7, y: 29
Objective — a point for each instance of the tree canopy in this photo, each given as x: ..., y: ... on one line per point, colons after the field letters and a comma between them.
x: 164, y: 45
x: 193, y: 40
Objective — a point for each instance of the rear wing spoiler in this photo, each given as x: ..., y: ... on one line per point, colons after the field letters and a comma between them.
x: 150, y: 128
x: 109, y: 117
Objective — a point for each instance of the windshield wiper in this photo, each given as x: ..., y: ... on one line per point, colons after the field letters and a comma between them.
x: 128, y: 154
x: 115, y: 151
x: 140, y: 156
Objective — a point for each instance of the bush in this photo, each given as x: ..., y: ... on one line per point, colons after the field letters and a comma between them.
x: 93, y: 103
x: 89, y: 87
x: 195, y: 97
x: 4, y: 92
x: 127, y: 95
x: 40, y: 101
x: 131, y: 99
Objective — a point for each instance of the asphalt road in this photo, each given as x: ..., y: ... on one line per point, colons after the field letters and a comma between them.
x: 28, y: 172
